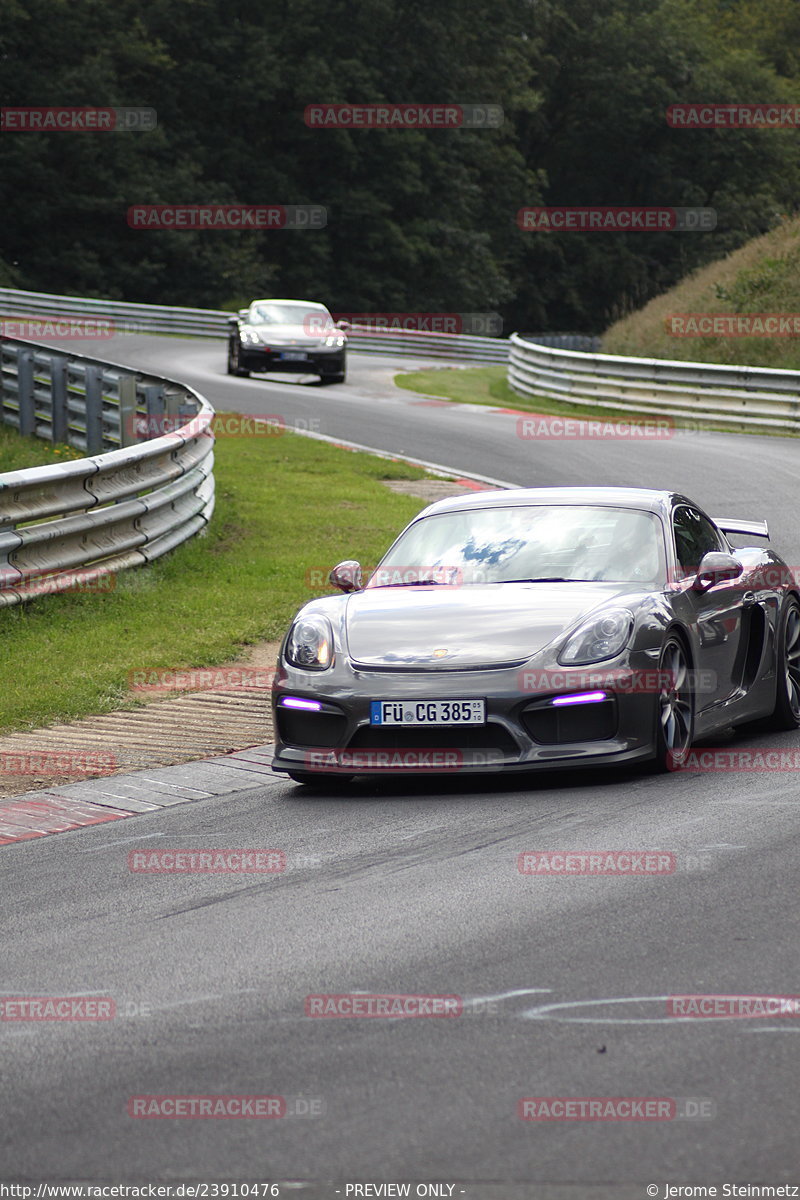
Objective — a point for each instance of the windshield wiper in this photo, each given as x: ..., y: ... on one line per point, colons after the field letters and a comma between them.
x: 444, y: 582
x: 412, y: 583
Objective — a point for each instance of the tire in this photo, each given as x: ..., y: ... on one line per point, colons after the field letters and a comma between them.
x: 786, y: 713
x: 675, y: 707
x: 315, y: 779
x: 233, y: 362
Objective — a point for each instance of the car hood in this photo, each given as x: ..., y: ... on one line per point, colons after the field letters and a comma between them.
x: 283, y: 335
x: 440, y: 627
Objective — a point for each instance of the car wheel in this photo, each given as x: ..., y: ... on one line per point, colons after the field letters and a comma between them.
x: 786, y: 714
x: 675, y: 707
x: 315, y: 779
x: 233, y: 362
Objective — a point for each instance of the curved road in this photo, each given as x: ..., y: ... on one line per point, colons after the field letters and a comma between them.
x: 414, y: 889
x: 752, y: 475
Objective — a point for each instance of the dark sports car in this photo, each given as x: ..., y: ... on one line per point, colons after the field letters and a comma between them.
x: 287, y: 335
x: 540, y: 628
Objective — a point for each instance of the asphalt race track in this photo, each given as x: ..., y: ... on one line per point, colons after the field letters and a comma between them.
x: 754, y: 475
x: 414, y: 889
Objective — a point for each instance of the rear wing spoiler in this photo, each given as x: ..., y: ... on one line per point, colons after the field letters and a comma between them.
x: 732, y: 525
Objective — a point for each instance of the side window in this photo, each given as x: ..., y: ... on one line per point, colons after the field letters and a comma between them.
x: 694, y: 537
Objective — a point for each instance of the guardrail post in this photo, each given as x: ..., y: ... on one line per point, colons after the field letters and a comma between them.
x: 58, y: 397
x: 27, y: 408
x: 127, y: 410
x: 156, y: 408
x: 178, y: 410
x: 93, y: 376
x: 173, y: 400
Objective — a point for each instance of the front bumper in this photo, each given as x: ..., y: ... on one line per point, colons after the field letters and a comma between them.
x: 524, y: 730
x: 312, y: 362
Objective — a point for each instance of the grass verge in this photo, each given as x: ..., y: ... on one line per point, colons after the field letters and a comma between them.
x: 488, y: 385
x: 288, y: 508
x: 763, y: 276
x: 17, y: 452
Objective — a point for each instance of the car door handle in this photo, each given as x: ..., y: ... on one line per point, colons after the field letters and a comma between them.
x: 748, y: 599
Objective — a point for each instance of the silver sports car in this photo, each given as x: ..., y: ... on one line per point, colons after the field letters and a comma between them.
x: 540, y: 628
x: 299, y: 336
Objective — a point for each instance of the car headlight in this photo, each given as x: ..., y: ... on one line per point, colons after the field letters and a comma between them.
x: 333, y: 341
x: 600, y: 637
x: 310, y: 643
x: 249, y: 338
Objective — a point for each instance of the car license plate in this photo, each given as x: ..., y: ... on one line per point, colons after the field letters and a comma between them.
x: 295, y: 355
x: 427, y: 712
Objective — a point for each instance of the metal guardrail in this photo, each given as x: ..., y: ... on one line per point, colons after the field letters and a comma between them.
x: 417, y: 343
x: 131, y: 500
x: 754, y: 396
x: 123, y: 317
x: 566, y: 341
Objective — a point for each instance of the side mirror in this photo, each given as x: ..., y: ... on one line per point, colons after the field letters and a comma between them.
x: 244, y: 313
x: 343, y: 325
x: 346, y: 576
x: 716, y: 567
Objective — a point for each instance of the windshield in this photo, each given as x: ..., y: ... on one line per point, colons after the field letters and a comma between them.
x: 534, y: 542
x: 288, y: 314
